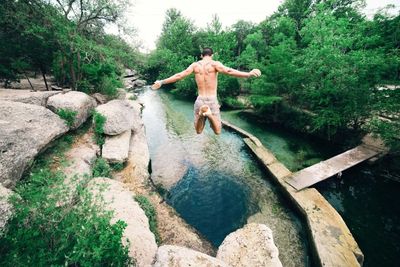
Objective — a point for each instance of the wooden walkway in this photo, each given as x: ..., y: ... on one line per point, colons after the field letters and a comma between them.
x: 328, y: 168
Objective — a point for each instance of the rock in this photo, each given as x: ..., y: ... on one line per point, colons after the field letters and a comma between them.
x: 139, y: 83
x: 129, y: 73
x: 174, y: 256
x: 119, y: 116
x: 139, y: 155
x: 5, y: 206
x: 121, y: 94
x: 74, y: 101
x: 142, y: 243
x: 100, y: 99
x: 252, y: 245
x: 25, y: 131
x: 56, y: 88
x: 80, y: 158
x: 26, y: 96
x: 116, y: 147
x: 137, y: 115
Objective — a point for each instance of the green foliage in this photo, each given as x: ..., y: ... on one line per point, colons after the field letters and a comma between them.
x: 99, y: 121
x: 44, y: 232
x: 117, y: 166
x: 101, y: 168
x: 233, y: 103
x: 151, y: 214
x: 68, y: 116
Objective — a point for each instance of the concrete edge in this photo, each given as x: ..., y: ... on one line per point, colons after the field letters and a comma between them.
x: 331, y: 240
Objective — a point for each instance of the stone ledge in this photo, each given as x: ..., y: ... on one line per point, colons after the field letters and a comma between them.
x: 332, y: 241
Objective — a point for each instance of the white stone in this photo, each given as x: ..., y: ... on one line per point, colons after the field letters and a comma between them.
x: 142, y: 243
x: 26, y: 96
x: 174, y: 256
x: 5, y: 206
x: 116, y: 147
x: 252, y: 245
x: 119, y: 116
x: 80, y: 102
x: 25, y: 130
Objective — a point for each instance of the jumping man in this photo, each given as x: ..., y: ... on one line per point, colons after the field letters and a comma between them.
x: 206, y: 76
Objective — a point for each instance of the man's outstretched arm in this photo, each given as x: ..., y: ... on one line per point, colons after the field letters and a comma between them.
x: 174, y: 78
x: 240, y: 74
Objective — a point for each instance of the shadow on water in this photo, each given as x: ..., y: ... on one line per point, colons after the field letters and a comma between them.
x: 213, y: 202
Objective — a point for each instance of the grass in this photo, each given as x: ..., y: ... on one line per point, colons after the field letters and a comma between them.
x: 151, y: 214
x: 101, y: 168
x: 99, y: 121
x: 68, y: 116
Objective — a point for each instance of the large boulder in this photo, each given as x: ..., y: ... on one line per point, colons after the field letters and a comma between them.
x: 119, y: 116
x: 79, y: 102
x: 252, y: 245
x: 116, y: 147
x: 174, y: 256
x: 26, y: 96
x: 139, y: 83
x: 5, y: 206
x: 25, y: 130
x: 142, y: 243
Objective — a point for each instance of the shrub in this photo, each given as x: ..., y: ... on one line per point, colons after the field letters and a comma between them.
x: 233, y: 103
x: 68, y: 116
x: 99, y: 121
x: 42, y: 232
x: 151, y: 214
x: 101, y: 168
x: 117, y: 166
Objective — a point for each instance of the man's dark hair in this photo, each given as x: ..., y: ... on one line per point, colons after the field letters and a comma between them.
x: 207, y: 51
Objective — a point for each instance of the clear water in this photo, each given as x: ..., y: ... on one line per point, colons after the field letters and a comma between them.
x: 369, y: 203
x: 222, y: 187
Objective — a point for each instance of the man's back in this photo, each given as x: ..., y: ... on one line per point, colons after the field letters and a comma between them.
x: 206, y: 76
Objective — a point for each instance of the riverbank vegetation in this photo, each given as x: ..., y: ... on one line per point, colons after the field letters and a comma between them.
x: 65, y: 39
x: 48, y: 229
x: 325, y: 65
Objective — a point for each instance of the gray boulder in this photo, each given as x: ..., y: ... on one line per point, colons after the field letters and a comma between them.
x: 116, y: 147
x: 139, y: 83
x: 174, y: 256
x: 100, y: 99
x: 142, y: 243
x: 119, y: 116
x: 252, y: 245
x: 26, y: 96
x: 5, y: 206
x: 80, y: 102
x: 25, y: 130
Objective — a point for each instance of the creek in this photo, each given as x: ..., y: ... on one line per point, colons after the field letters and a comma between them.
x: 222, y: 186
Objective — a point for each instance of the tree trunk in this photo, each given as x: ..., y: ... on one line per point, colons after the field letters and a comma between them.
x: 44, y: 78
x: 33, y: 89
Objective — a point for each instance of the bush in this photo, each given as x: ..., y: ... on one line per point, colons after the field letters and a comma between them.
x: 99, y: 121
x: 151, y: 214
x: 42, y: 232
x: 101, y: 168
x: 117, y: 166
x: 233, y: 103
x: 67, y: 115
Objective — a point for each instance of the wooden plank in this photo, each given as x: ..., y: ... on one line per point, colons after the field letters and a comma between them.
x: 328, y: 168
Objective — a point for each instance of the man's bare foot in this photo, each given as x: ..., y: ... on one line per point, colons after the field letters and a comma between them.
x: 205, y: 111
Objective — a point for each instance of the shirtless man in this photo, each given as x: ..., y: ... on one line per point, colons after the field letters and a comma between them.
x: 206, y: 76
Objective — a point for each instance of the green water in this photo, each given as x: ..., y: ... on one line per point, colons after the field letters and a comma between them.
x: 222, y: 187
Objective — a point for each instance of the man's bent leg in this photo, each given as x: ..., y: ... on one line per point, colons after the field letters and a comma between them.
x: 199, y: 123
x: 215, y: 124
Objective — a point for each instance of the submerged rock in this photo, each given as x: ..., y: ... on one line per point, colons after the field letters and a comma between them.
x: 116, y: 147
x: 79, y: 102
x: 174, y: 256
x: 142, y: 243
x: 26, y: 96
x: 119, y: 116
x: 252, y: 245
x: 25, y: 130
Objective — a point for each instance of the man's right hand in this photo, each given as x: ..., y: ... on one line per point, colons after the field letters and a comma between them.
x: 156, y: 85
x: 255, y: 73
